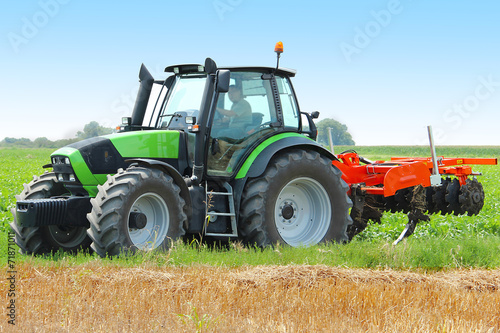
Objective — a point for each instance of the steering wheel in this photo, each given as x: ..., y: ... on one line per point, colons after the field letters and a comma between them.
x: 264, y: 125
x: 259, y: 128
x: 219, y: 119
x: 218, y: 115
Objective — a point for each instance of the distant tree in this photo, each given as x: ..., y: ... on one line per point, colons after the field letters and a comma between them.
x: 90, y: 130
x: 13, y: 142
x: 93, y: 129
x: 64, y: 142
x: 42, y: 142
x: 340, y: 135
x: 9, y: 140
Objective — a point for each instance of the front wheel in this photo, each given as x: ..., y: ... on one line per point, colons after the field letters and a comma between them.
x: 136, y: 209
x: 52, y: 238
x: 300, y: 200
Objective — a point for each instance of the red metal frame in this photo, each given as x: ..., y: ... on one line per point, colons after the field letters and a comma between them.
x: 386, y: 177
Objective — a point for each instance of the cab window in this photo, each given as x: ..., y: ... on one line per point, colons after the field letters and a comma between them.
x: 291, y: 116
x: 243, y: 116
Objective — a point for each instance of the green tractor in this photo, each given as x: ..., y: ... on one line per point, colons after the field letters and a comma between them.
x: 222, y: 153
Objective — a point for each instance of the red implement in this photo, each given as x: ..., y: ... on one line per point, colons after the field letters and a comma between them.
x: 387, y: 177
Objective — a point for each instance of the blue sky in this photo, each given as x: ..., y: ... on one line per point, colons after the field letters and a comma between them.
x: 386, y: 69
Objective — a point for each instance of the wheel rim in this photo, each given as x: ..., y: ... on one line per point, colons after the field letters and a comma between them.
x: 67, y: 237
x: 158, y: 220
x: 303, y: 212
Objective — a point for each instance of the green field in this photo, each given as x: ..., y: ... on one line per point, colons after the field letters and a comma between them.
x: 444, y: 242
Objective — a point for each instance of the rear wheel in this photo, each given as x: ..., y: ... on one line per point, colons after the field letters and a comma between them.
x: 136, y: 209
x: 39, y: 240
x: 299, y: 200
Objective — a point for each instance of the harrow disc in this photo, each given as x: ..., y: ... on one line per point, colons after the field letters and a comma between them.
x: 390, y: 204
x: 403, y: 200
x: 451, y: 197
x: 471, y: 197
x: 436, y: 201
x: 399, y: 202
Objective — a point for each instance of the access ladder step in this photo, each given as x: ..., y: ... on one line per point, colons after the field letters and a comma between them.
x: 233, y: 232
x: 221, y: 214
x: 221, y: 193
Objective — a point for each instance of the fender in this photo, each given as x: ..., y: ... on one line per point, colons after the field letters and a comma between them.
x: 257, y: 162
x: 172, y: 172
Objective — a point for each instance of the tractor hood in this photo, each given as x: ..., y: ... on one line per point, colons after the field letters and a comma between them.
x: 89, y: 161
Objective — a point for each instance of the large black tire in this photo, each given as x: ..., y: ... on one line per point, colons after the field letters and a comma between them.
x: 300, y: 200
x: 40, y: 240
x: 139, y: 190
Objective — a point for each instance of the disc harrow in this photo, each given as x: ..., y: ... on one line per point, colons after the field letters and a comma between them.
x: 414, y: 186
x: 448, y: 198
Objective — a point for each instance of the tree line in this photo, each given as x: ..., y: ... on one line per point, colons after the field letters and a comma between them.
x: 340, y: 136
x: 90, y: 130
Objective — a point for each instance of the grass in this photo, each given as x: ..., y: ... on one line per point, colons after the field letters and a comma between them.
x: 385, y: 152
x: 429, y: 255
x: 429, y: 247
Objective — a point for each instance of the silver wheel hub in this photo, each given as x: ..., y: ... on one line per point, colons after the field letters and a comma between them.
x: 158, y: 219
x: 303, y: 212
x: 288, y: 212
x: 67, y: 236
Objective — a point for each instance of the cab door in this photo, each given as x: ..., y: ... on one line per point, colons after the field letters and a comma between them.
x: 244, y: 116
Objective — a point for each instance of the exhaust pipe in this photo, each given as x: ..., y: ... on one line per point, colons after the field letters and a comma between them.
x: 141, y: 102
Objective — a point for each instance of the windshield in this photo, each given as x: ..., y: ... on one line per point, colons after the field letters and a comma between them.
x: 185, y: 95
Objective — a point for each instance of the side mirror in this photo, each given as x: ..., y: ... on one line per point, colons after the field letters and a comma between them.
x: 223, y: 80
x: 312, y: 131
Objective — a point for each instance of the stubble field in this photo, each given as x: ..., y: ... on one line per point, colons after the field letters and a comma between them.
x: 97, y: 298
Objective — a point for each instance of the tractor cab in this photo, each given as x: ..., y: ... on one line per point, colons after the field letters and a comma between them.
x: 255, y: 104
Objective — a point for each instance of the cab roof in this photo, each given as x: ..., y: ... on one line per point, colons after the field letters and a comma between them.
x: 197, y: 68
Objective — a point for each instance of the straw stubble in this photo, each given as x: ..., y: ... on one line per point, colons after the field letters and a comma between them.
x: 94, y: 298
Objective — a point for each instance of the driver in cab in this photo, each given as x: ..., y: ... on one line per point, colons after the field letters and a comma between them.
x: 240, y: 114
